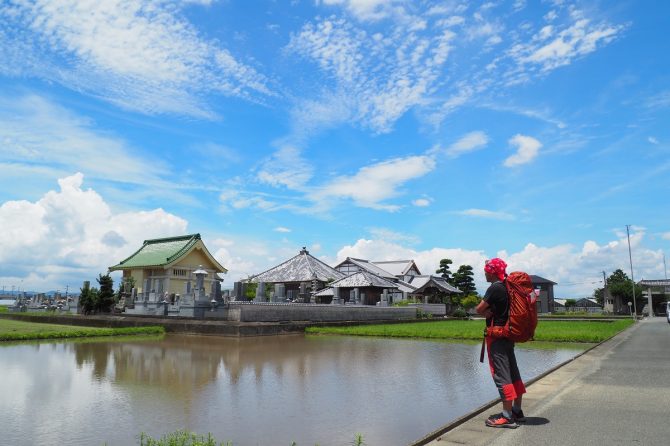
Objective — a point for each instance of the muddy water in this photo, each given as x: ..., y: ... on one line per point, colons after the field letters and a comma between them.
x: 255, y: 391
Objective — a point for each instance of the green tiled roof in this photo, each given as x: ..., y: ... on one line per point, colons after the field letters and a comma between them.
x: 159, y: 252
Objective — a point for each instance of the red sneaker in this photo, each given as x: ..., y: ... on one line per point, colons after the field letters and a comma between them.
x: 501, y: 420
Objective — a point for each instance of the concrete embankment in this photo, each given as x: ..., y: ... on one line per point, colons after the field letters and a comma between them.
x: 614, y: 393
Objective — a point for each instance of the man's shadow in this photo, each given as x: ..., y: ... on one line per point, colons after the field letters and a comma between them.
x: 535, y: 421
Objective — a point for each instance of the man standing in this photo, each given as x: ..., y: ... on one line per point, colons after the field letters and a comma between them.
x: 502, y: 361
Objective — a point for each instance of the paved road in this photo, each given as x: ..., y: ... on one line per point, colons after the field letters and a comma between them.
x: 616, y: 394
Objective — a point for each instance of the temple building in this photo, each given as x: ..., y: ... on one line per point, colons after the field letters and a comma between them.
x: 165, y: 267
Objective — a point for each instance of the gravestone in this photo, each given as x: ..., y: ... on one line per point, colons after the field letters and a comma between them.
x: 260, y: 293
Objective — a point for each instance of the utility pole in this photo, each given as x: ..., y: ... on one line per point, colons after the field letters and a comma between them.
x: 606, y: 294
x: 632, y: 278
x: 665, y: 268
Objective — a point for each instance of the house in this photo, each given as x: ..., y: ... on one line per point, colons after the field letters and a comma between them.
x: 165, y: 267
x: 545, y: 289
x: 589, y: 305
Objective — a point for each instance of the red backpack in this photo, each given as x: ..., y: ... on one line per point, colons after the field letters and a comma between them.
x: 520, y: 326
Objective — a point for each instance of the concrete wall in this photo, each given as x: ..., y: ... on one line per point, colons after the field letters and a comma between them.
x: 437, y: 310
x: 247, y: 312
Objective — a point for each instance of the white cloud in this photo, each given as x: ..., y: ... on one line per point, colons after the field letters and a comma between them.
x: 577, y: 270
x: 142, y: 56
x: 393, y: 236
x: 653, y: 140
x: 580, y: 38
x: 285, y: 167
x: 281, y: 229
x: 666, y: 235
x: 374, y: 184
x: 72, y: 235
x: 36, y: 133
x: 468, y: 143
x: 527, y: 149
x: 421, y: 202
x: 373, y: 80
x: 366, y: 9
x: 484, y: 213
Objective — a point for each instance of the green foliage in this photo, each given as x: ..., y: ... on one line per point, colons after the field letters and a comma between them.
x: 250, y: 290
x: 105, y: 299
x: 621, y: 286
x: 469, y: 301
x: 88, y: 299
x: 444, y: 271
x: 3, y: 309
x: 459, y: 313
x: 569, y: 303
x: 463, y: 279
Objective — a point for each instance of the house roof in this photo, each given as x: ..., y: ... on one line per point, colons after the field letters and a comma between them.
x: 368, y: 266
x: 302, y: 268
x: 659, y: 282
x: 397, y: 267
x: 163, y: 252
x: 538, y: 280
x: 363, y: 279
x: 426, y: 281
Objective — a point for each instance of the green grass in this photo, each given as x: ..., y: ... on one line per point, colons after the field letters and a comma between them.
x: 185, y: 438
x: 11, y: 330
x: 547, y: 331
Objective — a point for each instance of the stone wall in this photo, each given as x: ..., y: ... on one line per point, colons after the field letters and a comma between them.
x: 255, y: 312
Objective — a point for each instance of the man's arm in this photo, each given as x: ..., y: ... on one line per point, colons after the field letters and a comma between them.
x: 483, y: 309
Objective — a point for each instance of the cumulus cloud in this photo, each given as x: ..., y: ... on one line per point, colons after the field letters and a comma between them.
x: 143, y: 56
x: 374, y: 184
x: 71, y: 234
x: 576, y: 269
x: 527, y: 149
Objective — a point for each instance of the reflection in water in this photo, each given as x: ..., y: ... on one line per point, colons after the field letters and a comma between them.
x: 266, y: 391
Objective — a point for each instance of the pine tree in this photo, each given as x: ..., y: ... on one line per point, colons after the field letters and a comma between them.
x: 444, y: 271
x: 464, y: 281
x: 105, y: 299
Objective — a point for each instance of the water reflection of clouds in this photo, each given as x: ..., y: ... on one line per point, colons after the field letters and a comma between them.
x: 304, y: 389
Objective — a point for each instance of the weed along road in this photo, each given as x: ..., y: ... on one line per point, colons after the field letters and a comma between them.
x: 616, y: 393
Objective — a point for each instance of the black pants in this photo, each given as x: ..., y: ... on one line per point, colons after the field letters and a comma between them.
x: 504, y: 369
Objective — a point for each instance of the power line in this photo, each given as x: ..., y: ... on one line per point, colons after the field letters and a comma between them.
x: 580, y: 283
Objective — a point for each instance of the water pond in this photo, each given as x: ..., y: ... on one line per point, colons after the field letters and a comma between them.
x: 252, y: 391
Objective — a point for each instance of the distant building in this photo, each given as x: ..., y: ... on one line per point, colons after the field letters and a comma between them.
x: 166, y: 265
x: 589, y: 305
x: 545, y: 301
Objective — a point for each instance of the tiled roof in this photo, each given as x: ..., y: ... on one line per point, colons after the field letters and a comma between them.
x: 536, y: 280
x: 363, y: 279
x: 423, y: 282
x: 162, y: 252
x: 302, y: 268
x: 396, y: 267
x: 368, y: 266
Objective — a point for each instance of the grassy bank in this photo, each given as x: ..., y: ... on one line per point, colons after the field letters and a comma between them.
x: 11, y: 330
x: 547, y: 331
x: 185, y: 438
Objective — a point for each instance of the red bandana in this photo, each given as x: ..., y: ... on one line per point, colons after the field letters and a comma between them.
x: 496, y: 266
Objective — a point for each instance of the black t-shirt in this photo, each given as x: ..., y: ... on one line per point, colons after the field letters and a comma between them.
x: 496, y: 297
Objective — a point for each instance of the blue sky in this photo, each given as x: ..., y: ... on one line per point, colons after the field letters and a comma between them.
x: 533, y: 130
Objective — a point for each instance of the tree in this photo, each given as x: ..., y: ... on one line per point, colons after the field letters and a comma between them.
x: 621, y: 286
x: 105, y: 299
x: 444, y: 271
x: 470, y: 301
x: 464, y: 281
x: 88, y: 299
x: 570, y: 303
